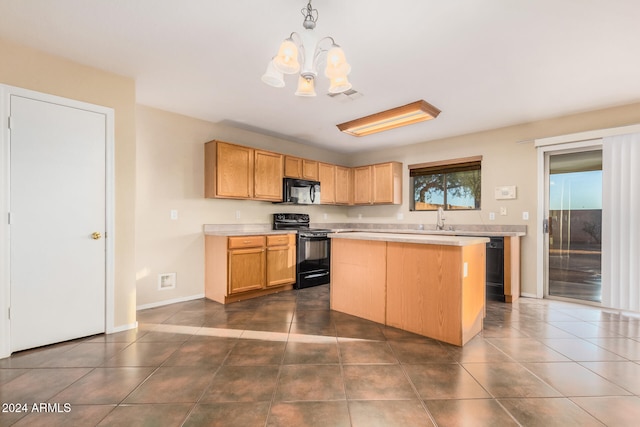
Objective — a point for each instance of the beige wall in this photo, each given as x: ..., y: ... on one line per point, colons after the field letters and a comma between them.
x: 31, y: 69
x: 170, y: 175
x: 506, y: 161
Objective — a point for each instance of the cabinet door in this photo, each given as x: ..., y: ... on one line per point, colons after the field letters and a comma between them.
x: 246, y: 270
x: 327, y: 178
x: 362, y: 185
x: 310, y: 169
x: 343, y: 185
x: 268, y: 176
x: 234, y: 171
x: 387, y: 183
x: 281, y: 265
x: 292, y: 167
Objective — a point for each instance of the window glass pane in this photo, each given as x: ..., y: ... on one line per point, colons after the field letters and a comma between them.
x: 428, y: 192
x: 463, y: 190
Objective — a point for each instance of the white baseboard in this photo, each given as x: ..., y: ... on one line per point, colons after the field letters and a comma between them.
x: 169, y: 301
x: 122, y: 328
x: 526, y: 295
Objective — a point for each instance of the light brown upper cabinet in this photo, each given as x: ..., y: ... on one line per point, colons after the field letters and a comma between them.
x: 228, y: 170
x: 327, y: 178
x: 267, y: 176
x: 343, y: 186
x: 292, y: 167
x: 297, y: 167
x: 238, y: 172
x: 387, y: 183
x: 310, y: 169
x: 378, y: 184
x: 362, y: 188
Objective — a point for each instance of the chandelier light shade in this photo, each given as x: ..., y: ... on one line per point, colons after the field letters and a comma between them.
x: 303, y: 53
x: 415, y: 112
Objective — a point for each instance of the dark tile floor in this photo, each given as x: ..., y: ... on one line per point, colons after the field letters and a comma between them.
x: 287, y: 360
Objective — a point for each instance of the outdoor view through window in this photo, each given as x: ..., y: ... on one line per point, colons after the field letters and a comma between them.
x: 575, y: 225
x: 452, y: 186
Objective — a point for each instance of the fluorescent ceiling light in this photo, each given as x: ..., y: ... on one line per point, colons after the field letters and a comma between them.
x: 415, y: 112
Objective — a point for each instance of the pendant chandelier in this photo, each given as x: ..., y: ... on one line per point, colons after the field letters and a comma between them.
x: 304, y: 48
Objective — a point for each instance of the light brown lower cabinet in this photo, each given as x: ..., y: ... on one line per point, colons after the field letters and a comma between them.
x: 246, y: 270
x: 281, y: 260
x: 242, y: 267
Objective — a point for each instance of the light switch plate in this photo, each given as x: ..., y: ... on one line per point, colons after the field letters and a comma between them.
x: 525, y: 215
x: 503, y: 211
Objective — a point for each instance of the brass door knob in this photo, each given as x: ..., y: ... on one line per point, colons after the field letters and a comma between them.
x: 96, y: 235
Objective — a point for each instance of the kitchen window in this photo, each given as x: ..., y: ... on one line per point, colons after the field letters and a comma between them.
x: 450, y: 184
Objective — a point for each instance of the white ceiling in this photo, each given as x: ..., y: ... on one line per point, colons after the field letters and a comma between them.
x: 484, y: 63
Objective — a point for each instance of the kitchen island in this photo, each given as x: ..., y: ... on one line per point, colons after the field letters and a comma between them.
x: 432, y: 285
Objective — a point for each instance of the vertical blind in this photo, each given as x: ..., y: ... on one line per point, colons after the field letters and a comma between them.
x: 621, y: 222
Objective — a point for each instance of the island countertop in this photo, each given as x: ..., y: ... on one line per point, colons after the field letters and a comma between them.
x: 424, y: 239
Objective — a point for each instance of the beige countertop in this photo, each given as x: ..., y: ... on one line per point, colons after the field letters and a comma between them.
x: 425, y: 239
x: 242, y: 230
x: 478, y: 233
x: 412, y: 229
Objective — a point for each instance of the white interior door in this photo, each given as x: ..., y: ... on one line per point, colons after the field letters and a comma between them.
x: 57, y: 201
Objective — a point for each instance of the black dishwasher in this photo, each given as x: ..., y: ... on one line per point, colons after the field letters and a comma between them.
x: 495, y: 269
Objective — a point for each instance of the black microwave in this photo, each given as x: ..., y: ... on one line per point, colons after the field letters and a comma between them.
x: 300, y: 191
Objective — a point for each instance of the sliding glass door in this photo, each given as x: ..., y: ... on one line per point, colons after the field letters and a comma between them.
x: 573, y: 224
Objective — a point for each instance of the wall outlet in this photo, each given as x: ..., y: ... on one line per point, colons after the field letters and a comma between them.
x: 173, y: 214
x: 400, y: 216
x: 492, y: 216
x: 503, y: 210
x: 324, y: 216
x: 525, y: 215
x: 238, y: 215
x: 359, y: 216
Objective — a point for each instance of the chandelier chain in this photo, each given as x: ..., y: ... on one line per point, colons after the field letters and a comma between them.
x: 310, y: 16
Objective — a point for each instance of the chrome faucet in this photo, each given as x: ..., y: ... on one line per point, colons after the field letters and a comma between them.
x: 440, y: 220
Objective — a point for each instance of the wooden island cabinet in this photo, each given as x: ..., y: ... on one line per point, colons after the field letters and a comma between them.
x: 426, y: 284
x: 248, y: 266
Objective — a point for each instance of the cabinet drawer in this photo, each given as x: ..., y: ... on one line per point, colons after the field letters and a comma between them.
x: 280, y: 239
x: 246, y: 242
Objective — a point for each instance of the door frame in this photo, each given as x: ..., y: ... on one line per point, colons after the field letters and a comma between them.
x: 575, y: 141
x: 5, y: 230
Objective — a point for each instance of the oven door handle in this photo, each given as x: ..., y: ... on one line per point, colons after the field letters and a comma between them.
x: 313, y: 276
x: 314, y: 238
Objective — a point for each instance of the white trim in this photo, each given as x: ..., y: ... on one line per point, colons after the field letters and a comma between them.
x: 123, y: 328
x: 5, y: 286
x: 5, y: 290
x: 169, y: 301
x: 541, y: 242
x: 586, y: 136
x: 528, y: 295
